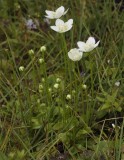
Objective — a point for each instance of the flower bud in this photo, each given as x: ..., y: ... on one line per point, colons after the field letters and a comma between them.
x: 108, y: 61
x: 31, y: 52
x: 50, y: 90
x: 43, y: 79
x: 67, y: 106
x: 84, y: 86
x: 17, y: 6
x: 58, y: 80
x: 117, y: 83
x: 40, y: 91
x: 73, y: 92
x: 21, y: 68
x: 43, y: 105
x: 40, y: 86
x: 113, y: 125
x: 68, y: 97
x: 38, y: 101
x: 43, y: 48
x: 41, y: 60
x: 56, y: 85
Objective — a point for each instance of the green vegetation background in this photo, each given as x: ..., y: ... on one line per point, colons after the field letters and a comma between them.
x: 37, y: 121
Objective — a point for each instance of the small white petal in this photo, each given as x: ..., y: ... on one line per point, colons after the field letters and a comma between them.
x: 59, y: 22
x: 70, y: 22
x: 60, y: 9
x: 65, y: 11
x: 81, y: 46
x: 89, y: 48
x: 54, y: 28
x: 90, y: 41
x: 50, y: 14
x: 75, y: 54
x: 68, y: 28
x: 97, y: 44
x: 60, y: 12
x: 113, y: 125
x: 49, y: 17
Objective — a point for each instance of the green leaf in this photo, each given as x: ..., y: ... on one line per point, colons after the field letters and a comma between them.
x: 100, y: 99
x: 101, y: 113
x: 104, y: 106
x: 84, y: 131
x: 58, y: 126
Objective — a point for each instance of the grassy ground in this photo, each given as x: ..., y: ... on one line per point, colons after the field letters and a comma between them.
x: 73, y: 121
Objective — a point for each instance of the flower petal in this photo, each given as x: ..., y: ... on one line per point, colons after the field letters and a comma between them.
x: 75, y: 54
x: 68, y: 28
x: 97, y: 44
x: 82, y: 46
x: 90, y: 41
x: 89, y: 48
x: 60, y: 12
x: 50, y: 14
x: 55, y: 28
x: 69, y: 22
x: 60, y: 9
x: 65, y: 11
x: 59, y: 22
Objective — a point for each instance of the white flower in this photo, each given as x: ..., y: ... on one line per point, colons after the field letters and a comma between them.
x: 57, y: 14
x: 117, y: 84
x: 89, y: 45
x: 61, y: 26
x: 75, y: 55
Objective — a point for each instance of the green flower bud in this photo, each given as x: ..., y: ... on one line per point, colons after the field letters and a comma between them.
x: 21, y: 68
x: 50, y: 90
x: 43, y: 48
x: 43, y: 79
x: 68, y: 97
x: 40, y: 86
x: 56, y: 85
x: 58, y: 80
x: 84, y: 86
x: 41, y: 60
x: 31, y: 52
